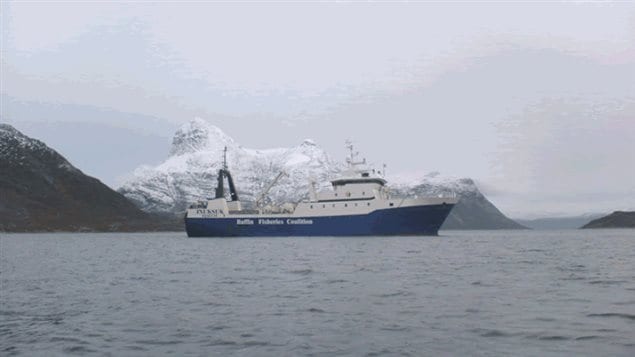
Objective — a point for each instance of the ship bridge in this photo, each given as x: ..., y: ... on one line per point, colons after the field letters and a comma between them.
x: 361, y: 186
x: 356, y: 183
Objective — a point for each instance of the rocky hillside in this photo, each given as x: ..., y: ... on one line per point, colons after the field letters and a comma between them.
x: 41, y: 191
x: 617, y: 219
x: 474, y: 210
x: 189, y: 174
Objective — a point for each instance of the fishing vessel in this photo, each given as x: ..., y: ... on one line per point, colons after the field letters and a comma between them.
x: 358, y: 204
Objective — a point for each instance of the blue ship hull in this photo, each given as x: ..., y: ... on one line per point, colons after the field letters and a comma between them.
x: 413, y: 220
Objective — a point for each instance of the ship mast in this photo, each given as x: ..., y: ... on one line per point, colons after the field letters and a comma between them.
x: 225, y: 158
x: 222, y: 174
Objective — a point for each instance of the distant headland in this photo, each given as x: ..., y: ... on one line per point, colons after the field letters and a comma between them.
x: 617, y: 219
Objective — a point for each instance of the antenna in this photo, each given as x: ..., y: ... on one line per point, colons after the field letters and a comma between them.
x: 353, y: 154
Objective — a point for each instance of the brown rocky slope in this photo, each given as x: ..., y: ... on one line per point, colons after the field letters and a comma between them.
x: 41, y: 191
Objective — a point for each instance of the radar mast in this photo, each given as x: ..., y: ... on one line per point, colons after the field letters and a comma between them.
x: 353, y: 154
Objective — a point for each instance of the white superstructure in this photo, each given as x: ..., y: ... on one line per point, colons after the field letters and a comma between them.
x: 359, y: 191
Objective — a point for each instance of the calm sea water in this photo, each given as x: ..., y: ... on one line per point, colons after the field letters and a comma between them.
x: 463, y: 293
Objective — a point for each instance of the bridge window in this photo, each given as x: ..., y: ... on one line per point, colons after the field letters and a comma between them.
x: 363, y: 193
x: 311, y: 206
x: 324, y: 206
x: 368, y: 204
x: 391, y: 204
x: 346, y: 205
x: 356, y: 205
x: 333, y: 204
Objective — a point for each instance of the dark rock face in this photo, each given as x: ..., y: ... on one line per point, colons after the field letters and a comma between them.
x: 617, y: 219
x: 41, y: 191
x: 477, y: 212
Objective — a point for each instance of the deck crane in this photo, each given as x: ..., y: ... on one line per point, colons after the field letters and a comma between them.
x: 264, y: 193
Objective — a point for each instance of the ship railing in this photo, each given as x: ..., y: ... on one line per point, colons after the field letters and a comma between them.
x: 441, y: 195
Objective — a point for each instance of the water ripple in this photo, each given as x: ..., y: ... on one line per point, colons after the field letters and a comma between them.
x: 491, y: 333
x: 463, y: 293
x: 613, y: 314
x: 315, y: 310
x: 607, y: 282
x: 158, y: 342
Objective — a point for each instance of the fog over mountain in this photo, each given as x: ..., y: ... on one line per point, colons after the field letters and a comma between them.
x: 528, y: 99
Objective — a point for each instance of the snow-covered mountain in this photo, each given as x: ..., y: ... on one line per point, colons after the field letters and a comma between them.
x: 189, y: 174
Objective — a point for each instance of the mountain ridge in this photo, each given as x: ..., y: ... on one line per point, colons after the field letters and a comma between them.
x: 558, y: 222
x: 189, y: 174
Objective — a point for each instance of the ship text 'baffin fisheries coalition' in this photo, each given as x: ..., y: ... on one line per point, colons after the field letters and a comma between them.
x: 248, y: 221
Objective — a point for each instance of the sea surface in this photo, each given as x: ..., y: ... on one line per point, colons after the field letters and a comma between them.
x: 480, y: 293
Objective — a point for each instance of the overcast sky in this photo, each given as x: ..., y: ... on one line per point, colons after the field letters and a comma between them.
x: 535, y: 101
